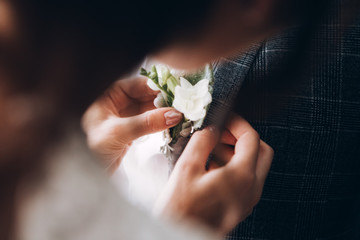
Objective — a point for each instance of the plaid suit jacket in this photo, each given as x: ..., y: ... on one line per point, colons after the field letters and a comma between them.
x: 304, y: 100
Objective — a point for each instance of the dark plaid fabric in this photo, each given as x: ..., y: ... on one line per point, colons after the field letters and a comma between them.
x: 309, y: 112
x: 229, y: 76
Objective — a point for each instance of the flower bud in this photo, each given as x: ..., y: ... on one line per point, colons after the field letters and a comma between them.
x: 143, y: 72
x: 153, y: 74
x: 159, y: 101
x: 185, y: 132
x: 163, y: 74
x: 152, y: 85
x: 172, y: 83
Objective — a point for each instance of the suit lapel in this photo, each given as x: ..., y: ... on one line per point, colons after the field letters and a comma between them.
x: 229, y: 74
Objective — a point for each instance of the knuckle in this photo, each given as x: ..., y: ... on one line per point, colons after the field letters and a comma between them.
x: 148, y: 121
x: 267, y: 150
x: 255, y: 134
x: 96, y: 136
x: 252, y: 135
x: 270, y: 151
x: 95, y: 144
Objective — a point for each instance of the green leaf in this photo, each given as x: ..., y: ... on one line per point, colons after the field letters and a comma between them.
x: 143, y: 72
x: 205, y: 72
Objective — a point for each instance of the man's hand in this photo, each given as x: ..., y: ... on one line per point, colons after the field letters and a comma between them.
x: 222, y: 196
x: 124, y: 113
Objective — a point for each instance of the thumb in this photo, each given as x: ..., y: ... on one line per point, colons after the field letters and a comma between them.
x: 150, y: 122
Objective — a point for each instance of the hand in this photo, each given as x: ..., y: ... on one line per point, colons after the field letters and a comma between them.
x: 124, y: 113
x: 222, y: 196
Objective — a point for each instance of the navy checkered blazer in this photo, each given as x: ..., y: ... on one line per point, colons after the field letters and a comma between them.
x: 301, y: 92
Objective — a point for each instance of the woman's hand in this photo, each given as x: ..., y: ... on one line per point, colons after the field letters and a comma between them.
x: 124, y: 113
x: 224, y: 195
x: 220, y: 197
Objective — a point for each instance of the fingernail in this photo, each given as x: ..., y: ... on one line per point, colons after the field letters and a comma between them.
x: 172, y: 117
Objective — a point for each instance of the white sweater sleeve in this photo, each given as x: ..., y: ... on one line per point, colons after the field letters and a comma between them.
x: 76, y: 201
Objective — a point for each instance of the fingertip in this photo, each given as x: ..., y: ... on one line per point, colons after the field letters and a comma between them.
x: 160, y: 119
x: 248, y: 140
x: 246, y: 151
x: 237, y: 125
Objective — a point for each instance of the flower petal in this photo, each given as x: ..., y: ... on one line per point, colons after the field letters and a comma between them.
x: 194, y: 116
x: 152, y: 85
x: 207, y: 99
x: 202, y: 87
x: 185, y: 83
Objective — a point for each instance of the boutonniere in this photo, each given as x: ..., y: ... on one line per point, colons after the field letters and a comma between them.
x: 187, y: 92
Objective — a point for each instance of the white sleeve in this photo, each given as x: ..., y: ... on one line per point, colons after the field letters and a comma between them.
x: 143, y: 173
x: 76, y: 201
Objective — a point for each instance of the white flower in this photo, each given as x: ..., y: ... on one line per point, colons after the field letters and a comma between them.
x: 192, y: 100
